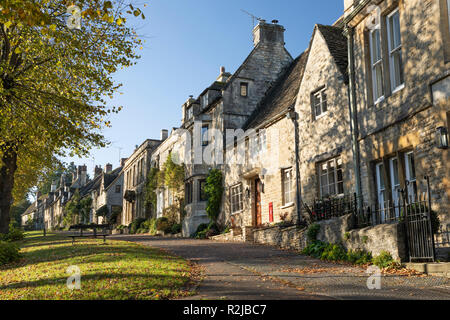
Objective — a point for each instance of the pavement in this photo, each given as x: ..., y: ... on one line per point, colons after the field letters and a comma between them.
x: 243, y: 271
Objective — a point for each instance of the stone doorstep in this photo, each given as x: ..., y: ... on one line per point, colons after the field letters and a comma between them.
x: 435, y: 269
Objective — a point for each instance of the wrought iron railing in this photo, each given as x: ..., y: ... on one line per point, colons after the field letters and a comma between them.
x: 326, y: 209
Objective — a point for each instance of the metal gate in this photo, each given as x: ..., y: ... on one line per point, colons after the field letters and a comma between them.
x: 419, y: 233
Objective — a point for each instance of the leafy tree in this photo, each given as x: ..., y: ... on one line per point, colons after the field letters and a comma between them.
x: 18, y: 209
x: 77, y: 209
x: 54, y: 82
x: 214, y: 189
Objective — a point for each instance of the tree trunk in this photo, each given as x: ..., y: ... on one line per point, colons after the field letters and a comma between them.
x: 7, y: 171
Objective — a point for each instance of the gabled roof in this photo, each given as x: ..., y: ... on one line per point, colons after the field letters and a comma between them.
x: 91, y: 185
x: 30, y: 209
x: 111, y: 177
x: 282, y: 95
x: 337, y: 44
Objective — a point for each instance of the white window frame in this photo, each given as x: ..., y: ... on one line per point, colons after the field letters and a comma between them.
x: 287, y: 180
x: 189, y: 113
x: 381, y: 190
x: 412, y: 181
x: 392, y: 52
x: 336, y: 181
x: 374, y: 64
x: 448, y: 15
x: 236, y: 198
x: 318, y: 100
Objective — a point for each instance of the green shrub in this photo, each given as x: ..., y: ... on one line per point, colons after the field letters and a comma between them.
x: 315, y: 249
x: 162, y: 224
x: 312, y: 232
x: 14, y: 234
x: 152, y: 227
x: 201, y: 231
x: 334, y: 252
x: 136, y: 225
x: 359, y: 257
x: 384, y: 260
x: 9, y: 252
x: 176, y: 228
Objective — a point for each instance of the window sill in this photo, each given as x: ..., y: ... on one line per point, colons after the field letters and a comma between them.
x: 399, y: 88
x: 379, y: 100
x: 289, y: 205
x: 322, y: 115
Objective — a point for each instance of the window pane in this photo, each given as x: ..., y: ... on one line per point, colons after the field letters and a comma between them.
x: 379, y: 81
x: 398, y: 68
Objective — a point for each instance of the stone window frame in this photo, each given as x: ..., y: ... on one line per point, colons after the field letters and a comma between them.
x: 287, y: 180
x: 337, y: 183
x: 236, y: 198
x: 243, y: 85
x: 205, y: 131
x: 321, y: 91
x: 445, y: 27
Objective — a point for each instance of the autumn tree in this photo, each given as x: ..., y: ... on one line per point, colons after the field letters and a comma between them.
x: 56, y: 67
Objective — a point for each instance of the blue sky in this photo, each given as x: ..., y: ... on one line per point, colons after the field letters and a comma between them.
x: 186, y: 43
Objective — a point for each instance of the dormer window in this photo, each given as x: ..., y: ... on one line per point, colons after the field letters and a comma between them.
x: 189, y: 113
x: 244, y: 89
x: 205, y: 100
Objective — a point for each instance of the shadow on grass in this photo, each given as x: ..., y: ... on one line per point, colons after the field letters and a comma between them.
x: 142, y: 277
x: 89, y: 252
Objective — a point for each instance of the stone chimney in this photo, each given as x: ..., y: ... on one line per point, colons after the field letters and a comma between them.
x: 122, y: 162
x: 97, y: 171
x: 268, y: 33
x: 223, y: 76
x: 164, y: 134
x: 108, y: 168
x: 38, y: 195
x: 82, y: 171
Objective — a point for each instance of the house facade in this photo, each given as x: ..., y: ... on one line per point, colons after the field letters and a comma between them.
x: 135, y: 171
x: 402, y: 99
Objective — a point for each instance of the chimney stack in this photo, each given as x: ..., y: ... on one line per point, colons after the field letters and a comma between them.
x: 97, y: 171
x: 122, y: 162
x: 82, y: 175
x: 269, y: 34
x: 164, y: 134
x: 223, y: 76
x: 108, y: 168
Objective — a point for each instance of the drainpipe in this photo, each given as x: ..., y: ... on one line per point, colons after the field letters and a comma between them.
x: 293, y: 116
x: 349, y: 32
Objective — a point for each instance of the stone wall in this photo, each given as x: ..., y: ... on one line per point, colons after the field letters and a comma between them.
x: 386, y: 237
x: 286, y: 238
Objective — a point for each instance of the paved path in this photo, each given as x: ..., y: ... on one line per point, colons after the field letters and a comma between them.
x: 255, y: 272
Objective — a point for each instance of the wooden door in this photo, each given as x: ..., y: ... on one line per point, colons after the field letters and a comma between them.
x: 258, y: 208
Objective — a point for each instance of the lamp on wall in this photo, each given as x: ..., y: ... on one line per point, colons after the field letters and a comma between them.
x: 442, y: 138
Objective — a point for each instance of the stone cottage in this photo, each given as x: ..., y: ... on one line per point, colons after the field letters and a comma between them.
x: 135, y: 171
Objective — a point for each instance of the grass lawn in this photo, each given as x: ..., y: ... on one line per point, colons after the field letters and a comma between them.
x: 117, y: 270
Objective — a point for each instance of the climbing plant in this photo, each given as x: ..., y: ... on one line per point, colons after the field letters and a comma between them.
x: 214, y: 189
x: 151, y: 185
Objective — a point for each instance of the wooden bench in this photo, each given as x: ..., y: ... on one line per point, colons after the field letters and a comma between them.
x: 86, y: 227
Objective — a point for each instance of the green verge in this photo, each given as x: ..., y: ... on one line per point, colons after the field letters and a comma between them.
x: 116, y: 271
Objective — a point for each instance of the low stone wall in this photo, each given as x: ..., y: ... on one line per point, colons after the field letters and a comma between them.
x: 286, y: 238
x: 387, y: 237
